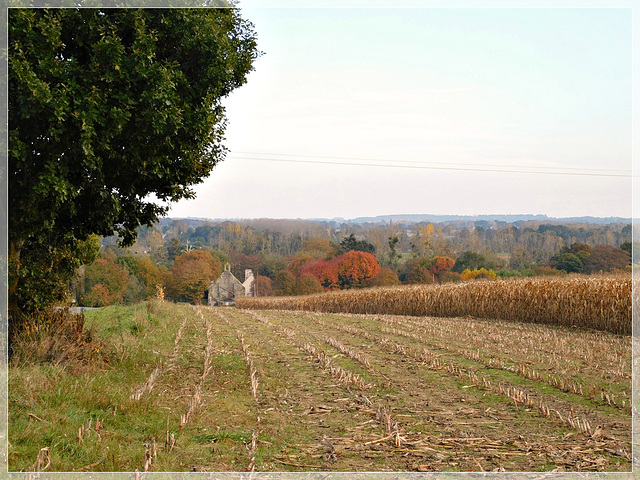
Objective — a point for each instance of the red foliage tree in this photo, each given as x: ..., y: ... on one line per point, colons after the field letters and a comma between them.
x: 326, y: 271
x: 298, y: 263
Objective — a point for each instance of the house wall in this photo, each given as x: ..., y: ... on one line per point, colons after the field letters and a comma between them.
x: 225, y: 288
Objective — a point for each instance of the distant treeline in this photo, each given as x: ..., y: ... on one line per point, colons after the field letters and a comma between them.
x: 296, y: 257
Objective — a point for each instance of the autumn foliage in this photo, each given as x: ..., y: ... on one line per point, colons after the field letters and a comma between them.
x: 355, y: 268
x: 106, y: 283
x: 349, y: 270
x: 191, y: 274
x: 326, y: 271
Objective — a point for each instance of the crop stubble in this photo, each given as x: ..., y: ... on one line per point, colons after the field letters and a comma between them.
x: 575, y: 437
x: 305, y: 391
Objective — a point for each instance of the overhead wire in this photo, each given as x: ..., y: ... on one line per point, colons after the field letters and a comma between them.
x: 390, y: 163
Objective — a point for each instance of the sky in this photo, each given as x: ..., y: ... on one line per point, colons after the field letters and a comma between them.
x: 371, y: 111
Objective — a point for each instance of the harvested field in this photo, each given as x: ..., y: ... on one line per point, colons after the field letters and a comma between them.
x: 246, y: 390
x: 601, y: 303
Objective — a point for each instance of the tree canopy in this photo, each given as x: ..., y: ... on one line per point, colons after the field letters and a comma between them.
x: 113, y: 113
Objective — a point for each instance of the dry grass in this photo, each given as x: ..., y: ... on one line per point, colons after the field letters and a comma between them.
x: 57, y: 338
x: 601, y: 303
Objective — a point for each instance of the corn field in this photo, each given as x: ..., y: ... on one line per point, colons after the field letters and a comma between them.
x: 218, y: 389
x: 601, y: 303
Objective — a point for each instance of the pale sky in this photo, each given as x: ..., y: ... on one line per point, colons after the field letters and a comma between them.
x: 446, y: 111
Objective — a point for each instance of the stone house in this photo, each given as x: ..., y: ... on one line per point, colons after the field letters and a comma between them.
x: 227, y: 288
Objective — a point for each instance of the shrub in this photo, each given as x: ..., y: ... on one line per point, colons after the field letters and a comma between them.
x: 385, y: 278
x: 450, y: 277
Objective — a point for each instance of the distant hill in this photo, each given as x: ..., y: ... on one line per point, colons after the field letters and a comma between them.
x: 415, y: 218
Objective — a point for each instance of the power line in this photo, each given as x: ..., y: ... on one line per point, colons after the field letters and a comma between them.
x: 448, y: 164
x: 430, y: 166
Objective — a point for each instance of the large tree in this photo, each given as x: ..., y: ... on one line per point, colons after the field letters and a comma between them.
x: 191, y: 274
x: 113, y: 113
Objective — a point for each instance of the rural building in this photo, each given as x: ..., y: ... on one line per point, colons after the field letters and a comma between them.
x: 249, y: 280
x: 227, y: 288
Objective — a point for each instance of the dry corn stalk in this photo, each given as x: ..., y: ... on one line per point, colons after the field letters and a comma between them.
x: 170, y: 439
x: 565, y: 385
x: 159, y: 293
x: 253, y: 373
x: 602, y: 303
x: 150, y: 454
x: 86, y: 428
x: 148, y: 385
x: 43, y: 460
x: 349, y: 352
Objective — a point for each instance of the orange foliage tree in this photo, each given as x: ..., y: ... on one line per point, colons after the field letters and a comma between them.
x: 264, y: 286
x: 191, y: 274
x: 355, y: 268
x: 440, y: 265
x: 350, y: 270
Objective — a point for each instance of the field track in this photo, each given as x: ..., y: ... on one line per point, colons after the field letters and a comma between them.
x: 247, y: 390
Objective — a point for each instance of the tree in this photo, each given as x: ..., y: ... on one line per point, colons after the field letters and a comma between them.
x: 568, y: 262
x: 191, y: 274
x: 469, y: 260
x: 440, y: 264
x: 605, y: 258
x: 520, y: 257
x: 148, y: 274
x: 265, y: 286
x: 350, y: 243
x: 418, y: 274
x: 47, y: 271
x: 572, y: 259
x: 450, y: 277
x: 326, y: 271
x: 355, y: 268
x: 385, y: 278
x: 318, y: 248
x: 105, y: 283
x: 284, y: 283
x: 393, y: 254
x: 106, y: 108
x: 307, y: 284
x: 298, y: 263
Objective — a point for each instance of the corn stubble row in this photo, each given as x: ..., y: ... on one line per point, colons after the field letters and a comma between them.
x: 602, y: 303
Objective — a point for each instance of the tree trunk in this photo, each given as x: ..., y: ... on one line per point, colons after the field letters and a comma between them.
x: 13, y: 274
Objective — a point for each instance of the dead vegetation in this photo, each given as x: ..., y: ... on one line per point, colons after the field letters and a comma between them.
x: 601, y: 303
x: 57, y: 338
